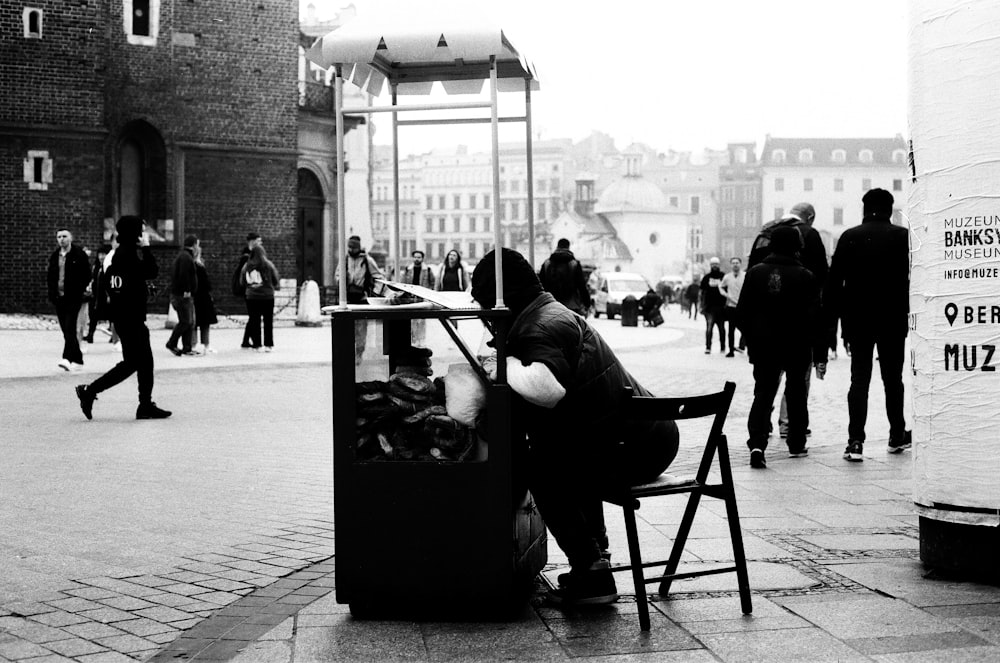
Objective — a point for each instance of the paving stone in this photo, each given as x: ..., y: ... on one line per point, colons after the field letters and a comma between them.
x: 940, y: 642
x: 265, y: 652
x: 162, y: 614
x: 60, y: 618
x: 143, y: 627
x: 17, y: 649
x: 607, y: 632
x: 216, y: 598
x: 181, y: 588
x: 91, y: 593
x: 74, y: 647
x: 27, y: 608
x: 223, y: 585
x: 904, y: 578
x: 51, y: 658
x: 168, y: 599
x: 126, y: 602
x: 106, y: 657
x: 92, y: 630
x: 127, y: 644
x: 106, y: 615
x: 800, y: 644
x: 74, y: 604
x: 222, y: 650
x: 873, y: 616
x: 863, y: 542
x: 962, y: 655
x: 387, y: 642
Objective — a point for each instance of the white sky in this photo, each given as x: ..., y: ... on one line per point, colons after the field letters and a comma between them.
x: 690, y: 74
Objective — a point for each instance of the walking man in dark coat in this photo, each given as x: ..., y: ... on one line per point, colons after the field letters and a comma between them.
x: 779, y: 315
x: 868, y: 291
x: 183, y: 285
x: 132, y: 265
x: 68, y: 276
x: 562, y: 275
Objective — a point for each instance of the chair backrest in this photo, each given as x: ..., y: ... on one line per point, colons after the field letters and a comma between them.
x: 652, y: 408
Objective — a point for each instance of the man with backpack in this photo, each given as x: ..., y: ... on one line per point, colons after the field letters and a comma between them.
x: 562, y: 276
x: 238, y: 288
x: 812, y: 255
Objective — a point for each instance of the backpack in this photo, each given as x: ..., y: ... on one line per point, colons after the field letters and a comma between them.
x: 761, y: 245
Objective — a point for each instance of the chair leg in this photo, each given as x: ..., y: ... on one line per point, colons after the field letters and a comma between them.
x: 635, y: 559
x: 735, y: 532
x: 680, y: 541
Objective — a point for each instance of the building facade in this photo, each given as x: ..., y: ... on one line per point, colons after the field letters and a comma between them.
x: 739, y: 198
x: 147, y: 107
x: 832, y: 174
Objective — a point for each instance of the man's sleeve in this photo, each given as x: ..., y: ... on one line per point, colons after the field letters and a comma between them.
x: 818, y: 264
x: 150, y: 270
x: 833, y: 291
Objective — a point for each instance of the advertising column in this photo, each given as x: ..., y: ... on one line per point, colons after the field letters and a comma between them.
x: 954, y: 213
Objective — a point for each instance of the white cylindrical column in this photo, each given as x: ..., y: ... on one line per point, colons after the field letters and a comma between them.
x: 954, y: 212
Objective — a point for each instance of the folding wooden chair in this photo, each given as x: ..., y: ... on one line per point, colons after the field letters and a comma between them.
x: 661, y: 409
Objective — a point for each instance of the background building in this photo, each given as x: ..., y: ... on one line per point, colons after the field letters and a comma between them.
x: 739, y: 201
x: 148, y: 107
x: 832, y: 174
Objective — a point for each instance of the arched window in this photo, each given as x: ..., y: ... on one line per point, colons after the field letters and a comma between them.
x: 899, y: 156
x: 838, y: 156
x: 32, y: 23
x: 805, y: 156
x: 866, y: 156
x: 778, y: 156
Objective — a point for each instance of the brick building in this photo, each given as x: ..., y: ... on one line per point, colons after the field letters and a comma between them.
x: 184, y: 112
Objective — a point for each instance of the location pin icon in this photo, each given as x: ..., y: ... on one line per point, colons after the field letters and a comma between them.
x: 951, y: 312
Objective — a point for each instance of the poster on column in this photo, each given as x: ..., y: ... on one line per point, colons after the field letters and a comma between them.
x: 954, y: 215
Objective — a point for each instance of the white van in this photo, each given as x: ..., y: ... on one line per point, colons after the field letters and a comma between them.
x: 613, y: 287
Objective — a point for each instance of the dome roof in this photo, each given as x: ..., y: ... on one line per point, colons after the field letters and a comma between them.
x: 631, y: 194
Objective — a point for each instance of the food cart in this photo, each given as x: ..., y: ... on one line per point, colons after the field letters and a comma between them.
x: 418, y: 532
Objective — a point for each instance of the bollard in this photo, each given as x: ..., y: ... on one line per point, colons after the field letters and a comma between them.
x: 308, y: 313
x: 630, y: 312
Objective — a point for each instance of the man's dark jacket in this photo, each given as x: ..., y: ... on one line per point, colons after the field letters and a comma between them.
x: 869, y: 284
x: 779, y: 312
x: 184, y: 277
x: 76, y: 275
x: 130, y: 268
x: 812, y: 254
x: 562, y: 275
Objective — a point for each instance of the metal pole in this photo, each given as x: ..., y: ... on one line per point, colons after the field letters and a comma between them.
x: 361, y: 110
x: 395, y: 187
x: 338, y: 104
x: 531, y: 178
x: 498, y: 269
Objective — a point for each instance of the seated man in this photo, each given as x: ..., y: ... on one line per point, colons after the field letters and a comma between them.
x: 649, y: 306
x: 569, y: 393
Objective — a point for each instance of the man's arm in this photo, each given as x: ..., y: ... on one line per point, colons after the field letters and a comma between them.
x: 581, y: 285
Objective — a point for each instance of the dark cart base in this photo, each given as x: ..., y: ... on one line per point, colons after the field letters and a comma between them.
x: 967, y: 552
x: 426, y: 540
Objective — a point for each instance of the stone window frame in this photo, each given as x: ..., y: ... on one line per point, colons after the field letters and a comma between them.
x: 39, y: 15
x: 154, y: 23
x: 38, y: 170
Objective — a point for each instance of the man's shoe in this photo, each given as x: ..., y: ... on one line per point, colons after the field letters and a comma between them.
x: 150, y: 411
x: 563, y: 578
x: 798, y: 451
x: 65, y: 365
x: 730, y: 354
x: 86, y: 400
x: 175, y: 351
x: 757, y: 459
x: 708, y: 351
x: 594, y: 586
x: 782, y: 431
x: 854, y: 451
x: 905, y: 441
x: 741, y: 350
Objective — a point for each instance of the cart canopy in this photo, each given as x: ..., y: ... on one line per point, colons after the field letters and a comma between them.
x: 410, y: 52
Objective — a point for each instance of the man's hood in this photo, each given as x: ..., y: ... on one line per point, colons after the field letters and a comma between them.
x: 562, y: 255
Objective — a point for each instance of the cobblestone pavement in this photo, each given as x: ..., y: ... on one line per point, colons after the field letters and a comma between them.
x: 209, y: 536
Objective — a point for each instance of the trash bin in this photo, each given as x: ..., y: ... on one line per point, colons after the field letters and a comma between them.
x: 630, y: 312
